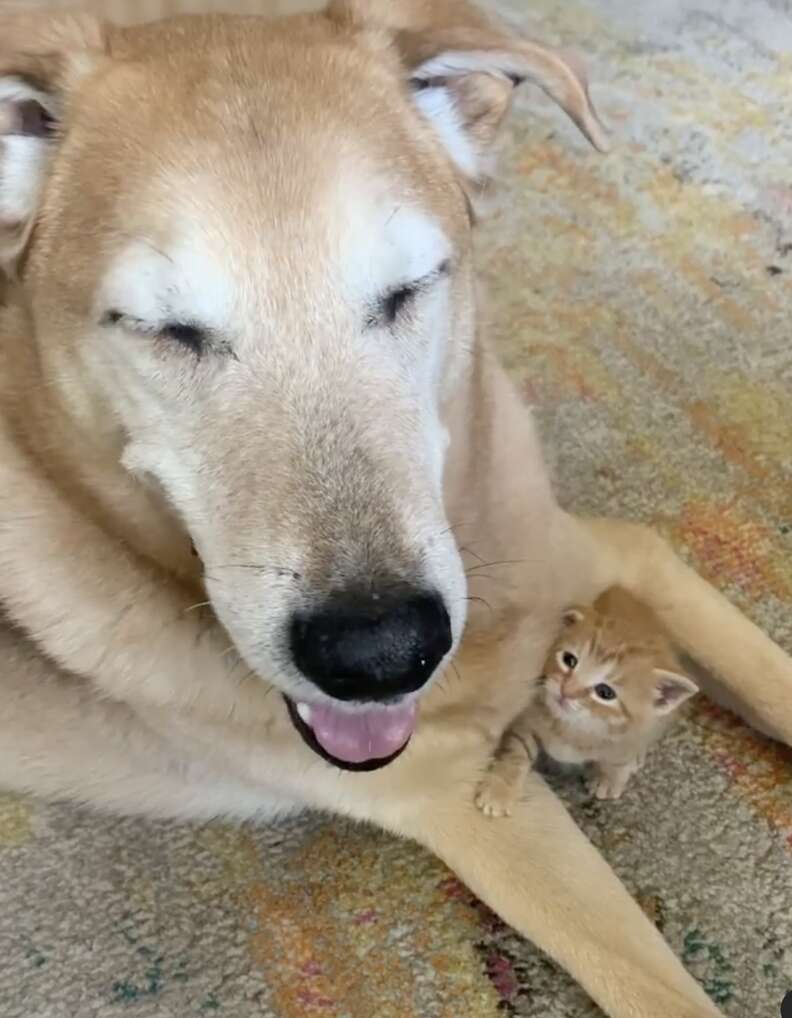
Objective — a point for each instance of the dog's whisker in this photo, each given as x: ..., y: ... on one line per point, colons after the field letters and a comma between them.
x: 230, y: 649
x: 465, y: 550
x: 451, y: 529
x: 480, y: 600
x: 502, y: 562
x: 195, y: 607
x: 260, y: 567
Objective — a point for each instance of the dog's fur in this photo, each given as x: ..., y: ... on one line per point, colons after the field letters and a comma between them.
x: 268, y: 181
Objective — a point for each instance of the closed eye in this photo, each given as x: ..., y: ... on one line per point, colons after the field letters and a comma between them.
x: 393, y: 305
x: 187, y: 334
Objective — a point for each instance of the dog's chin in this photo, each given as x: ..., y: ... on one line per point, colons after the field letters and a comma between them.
x: 309, y: 738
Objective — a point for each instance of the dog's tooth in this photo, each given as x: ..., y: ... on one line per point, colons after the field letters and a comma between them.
x: 305, y: 712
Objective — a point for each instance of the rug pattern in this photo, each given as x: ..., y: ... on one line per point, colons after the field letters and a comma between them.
x: 641, y: 301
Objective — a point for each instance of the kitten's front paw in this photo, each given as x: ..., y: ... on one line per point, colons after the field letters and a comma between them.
x: 607, y: 788
x: 495, y: 797
x: 610, y: 782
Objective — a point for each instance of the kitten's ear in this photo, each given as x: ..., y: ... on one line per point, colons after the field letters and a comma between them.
x: 572, y: 616
x: 43, y: 56
x: 671, y: 690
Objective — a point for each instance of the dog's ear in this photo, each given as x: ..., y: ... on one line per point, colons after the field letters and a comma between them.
x: 43, y: 56
x: 464, y: 68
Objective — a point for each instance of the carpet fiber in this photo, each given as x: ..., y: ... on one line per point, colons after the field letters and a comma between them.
x: 641, y: 301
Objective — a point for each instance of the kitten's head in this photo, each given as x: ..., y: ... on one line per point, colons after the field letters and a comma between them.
x: 600, y: 677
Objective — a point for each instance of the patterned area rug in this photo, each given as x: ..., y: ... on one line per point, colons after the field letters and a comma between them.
x: 642, y: 302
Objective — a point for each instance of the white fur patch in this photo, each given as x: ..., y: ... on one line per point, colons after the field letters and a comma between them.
x: 182, y: 284
x: 385, y: 242
x: 436, y: 102
x: 23, y: 160
x: 438, y: 106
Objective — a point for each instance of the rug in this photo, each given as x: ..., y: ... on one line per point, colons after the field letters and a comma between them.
x: 641, y: 301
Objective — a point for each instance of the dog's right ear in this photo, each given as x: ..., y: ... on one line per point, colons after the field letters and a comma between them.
x: 463, y: 67
x: 43, y: 56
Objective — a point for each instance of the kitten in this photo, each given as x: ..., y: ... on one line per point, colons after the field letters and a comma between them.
x: 610, y: 688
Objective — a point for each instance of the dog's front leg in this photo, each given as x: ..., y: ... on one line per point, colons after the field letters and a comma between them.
x: 538, y: 871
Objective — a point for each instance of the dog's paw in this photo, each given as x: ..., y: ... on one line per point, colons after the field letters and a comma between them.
x: 495, y: 798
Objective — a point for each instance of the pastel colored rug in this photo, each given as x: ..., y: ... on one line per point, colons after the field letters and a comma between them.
x: 642, y: 302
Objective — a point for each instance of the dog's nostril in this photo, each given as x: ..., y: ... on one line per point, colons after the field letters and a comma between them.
x: 372, y: 647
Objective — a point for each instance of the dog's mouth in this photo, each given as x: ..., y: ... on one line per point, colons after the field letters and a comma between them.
x: 361, y: 741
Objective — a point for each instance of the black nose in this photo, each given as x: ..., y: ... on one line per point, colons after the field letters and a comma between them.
x: 372, y: 647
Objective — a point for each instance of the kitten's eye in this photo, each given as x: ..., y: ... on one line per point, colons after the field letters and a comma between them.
x: 569, y: 660
x: 604, y: 692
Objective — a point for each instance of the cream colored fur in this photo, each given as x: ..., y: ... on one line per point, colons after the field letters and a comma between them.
x: 118, y: 453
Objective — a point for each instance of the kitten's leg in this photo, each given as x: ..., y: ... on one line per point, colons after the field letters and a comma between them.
x: 748, y: 667
x: 502, y: 785
x: 610, y: 780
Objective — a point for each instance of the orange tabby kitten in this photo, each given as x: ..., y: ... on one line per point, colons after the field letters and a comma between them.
x: 610, y: 688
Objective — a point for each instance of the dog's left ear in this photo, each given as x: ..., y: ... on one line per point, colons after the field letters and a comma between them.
x: 464, y: 69
x: 43, y: 56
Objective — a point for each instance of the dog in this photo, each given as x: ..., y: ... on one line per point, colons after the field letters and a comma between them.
x: 248, y: 423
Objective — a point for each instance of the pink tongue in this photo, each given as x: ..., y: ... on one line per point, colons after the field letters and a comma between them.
x: 370, y: 735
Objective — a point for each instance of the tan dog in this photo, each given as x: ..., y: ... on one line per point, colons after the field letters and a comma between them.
x: 243, y: 323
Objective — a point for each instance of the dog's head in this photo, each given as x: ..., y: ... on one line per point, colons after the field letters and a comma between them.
x: 246, y: 247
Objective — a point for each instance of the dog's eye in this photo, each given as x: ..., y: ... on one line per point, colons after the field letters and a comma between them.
x: 187, y: 334
x: 191, y: 336
x: 569, y: 660
x: 604, y: 692
x: 392, y: 305
x: 396, y: 302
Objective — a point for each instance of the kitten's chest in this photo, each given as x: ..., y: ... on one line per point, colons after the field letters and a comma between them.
x: 564, y: 751
x: 568, y: 744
